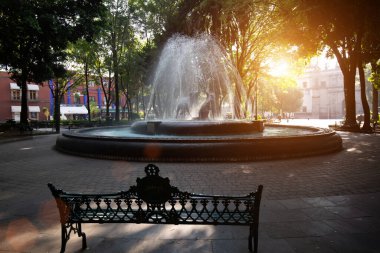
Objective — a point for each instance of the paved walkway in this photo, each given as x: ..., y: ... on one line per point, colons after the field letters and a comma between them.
x: 324, y: 204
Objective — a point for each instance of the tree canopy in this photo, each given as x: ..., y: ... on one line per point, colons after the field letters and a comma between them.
x: 37, y: 33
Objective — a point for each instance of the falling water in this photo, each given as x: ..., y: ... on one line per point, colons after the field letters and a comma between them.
x: 195, y: 80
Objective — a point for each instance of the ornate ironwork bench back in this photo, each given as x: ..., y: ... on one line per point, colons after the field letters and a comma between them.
x: 154, y: 200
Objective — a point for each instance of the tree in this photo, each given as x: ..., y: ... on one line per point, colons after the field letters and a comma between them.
x: 156, y: 18
x: 94, y: 110
x: 370, y: 56
x: 133, y: 77
x: 315, y: 24
x: 58, y: 88
x: 283, y: 94
x: 46, y: 112
x: 116, y: 37
x: 37, y: 33
x: 375, y: 80
x: 83, y: 54
x: 367, y: 114
x: 123, y: 53
x: 103, y: 71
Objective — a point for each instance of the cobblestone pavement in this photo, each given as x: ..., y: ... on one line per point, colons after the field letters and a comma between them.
x: 327, y: 203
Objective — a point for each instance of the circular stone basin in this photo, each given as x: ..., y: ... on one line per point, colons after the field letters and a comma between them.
x: 196, y: 142
x: 197, y: 128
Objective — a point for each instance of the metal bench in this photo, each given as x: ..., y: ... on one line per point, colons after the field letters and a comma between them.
x: 154, y: 200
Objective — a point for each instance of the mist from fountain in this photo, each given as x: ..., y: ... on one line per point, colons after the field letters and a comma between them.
x: 195, y: 80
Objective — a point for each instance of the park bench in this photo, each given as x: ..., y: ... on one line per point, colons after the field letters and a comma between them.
x: 154, y: 200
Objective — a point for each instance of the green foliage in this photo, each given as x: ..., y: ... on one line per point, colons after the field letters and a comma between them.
x: 280, y: 94
x: 60, y: 87
x: 94, y: 109
x: 374, y: 77
x: 155, y: 17
x: 37, y: 33
x: 124, y: 48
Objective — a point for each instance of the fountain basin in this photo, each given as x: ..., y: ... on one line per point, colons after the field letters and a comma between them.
x: 197, y: 128
x: 121, y: 143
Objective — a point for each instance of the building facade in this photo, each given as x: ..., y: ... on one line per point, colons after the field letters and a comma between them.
x: 74, y: 102
x: 41, y: 101
x: 323, y: 94
x: 10, y: 100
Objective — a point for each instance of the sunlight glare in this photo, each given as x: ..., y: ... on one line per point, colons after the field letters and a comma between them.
x: 27, y: 148
x: 278, y: 68
x: 21, y: 234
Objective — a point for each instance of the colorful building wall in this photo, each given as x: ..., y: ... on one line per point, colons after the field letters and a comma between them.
x: 10, y: 99
x: 41, y: 99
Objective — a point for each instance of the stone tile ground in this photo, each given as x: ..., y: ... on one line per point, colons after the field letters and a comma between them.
x: 327, y: 203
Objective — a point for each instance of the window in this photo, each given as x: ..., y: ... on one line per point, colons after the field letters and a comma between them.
x: 16, y: 95
x: 92, y: 99
x: 333, y: 82
x: 33, y: 95
x: 91, y: 83
x: 323, y: 84
x: 33, y: 115
x: 16, y: 116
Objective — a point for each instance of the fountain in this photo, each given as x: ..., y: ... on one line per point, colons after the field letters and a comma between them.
x: 194, y: 114
x: 195, y: 80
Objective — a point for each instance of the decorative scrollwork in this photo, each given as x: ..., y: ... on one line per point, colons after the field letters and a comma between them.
x: 152, y: 170
x: 153, y: 188
x: 154, y: 200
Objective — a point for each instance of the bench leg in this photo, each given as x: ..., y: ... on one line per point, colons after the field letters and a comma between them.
x: 256, y: 240
x: 66, y: 231
x: 250, y: 239
x: 64, y: 237
x: 83, y: 235
x: 253, y: 234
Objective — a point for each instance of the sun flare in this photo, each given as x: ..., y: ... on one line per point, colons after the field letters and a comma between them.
x: 278, y: 68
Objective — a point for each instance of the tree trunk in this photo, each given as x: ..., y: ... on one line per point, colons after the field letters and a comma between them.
x: 367, y: 114
x: 57, y: 109
x: 106, y: 92
x: 24, y: 103
x: 108, y: 99
x: 129, y: 106
x: 137, y: 103
x: 143, y: 100
x: 375, y: 104
x: 348, y: 67
x: 117, y: 102
x: 350, y: 104
x: 115, y: 62
x: 87, y: 92
x: 375, y: 97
